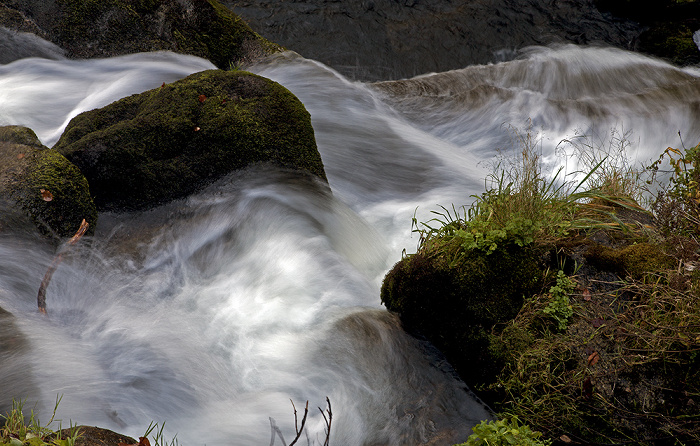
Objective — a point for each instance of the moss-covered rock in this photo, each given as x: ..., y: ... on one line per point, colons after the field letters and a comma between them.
x: 455, y: 305
x: 43, y: 183
x: 105, y: 28
x: 168, y: 142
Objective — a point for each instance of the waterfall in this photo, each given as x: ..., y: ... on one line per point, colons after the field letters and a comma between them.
x: 212, y: 312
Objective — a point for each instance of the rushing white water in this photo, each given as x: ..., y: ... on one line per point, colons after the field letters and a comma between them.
x: 212, y: 312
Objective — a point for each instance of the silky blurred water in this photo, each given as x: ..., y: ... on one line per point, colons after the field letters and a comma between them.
x: 211, y: 313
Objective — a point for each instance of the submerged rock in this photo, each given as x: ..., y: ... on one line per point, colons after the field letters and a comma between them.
x: 43, y: 183
x: 168, y: 142
x: 15, y: 367
x: 87, y: 29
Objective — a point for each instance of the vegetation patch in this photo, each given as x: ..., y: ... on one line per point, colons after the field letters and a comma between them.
x: 604, y: 347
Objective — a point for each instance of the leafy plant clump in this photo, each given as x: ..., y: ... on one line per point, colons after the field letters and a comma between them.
x: 18, y: 430
x: 559, y: 308
x: 505, y: 432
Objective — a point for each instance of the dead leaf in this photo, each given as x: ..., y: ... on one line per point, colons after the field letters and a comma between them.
x: 593, y: 358
x: 196, y: 129
x: 202, y: 98
x: 143, y: 441
x: 597, y: 322
x: 163, y: 86
x: 46, y: 195
x: 587, y: 389
x: 20, y: 156
x: 586, y: 295
x: 126, y: 444
x: 563, y: 438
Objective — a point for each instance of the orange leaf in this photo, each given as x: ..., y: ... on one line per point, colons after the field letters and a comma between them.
x: 46, y: 195
x: 586, y: 295
x: 202, y: 98
x: 593, y: 358
x: 20, y: 156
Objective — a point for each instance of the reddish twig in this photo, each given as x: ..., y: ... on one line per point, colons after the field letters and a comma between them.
x: 41, y: 297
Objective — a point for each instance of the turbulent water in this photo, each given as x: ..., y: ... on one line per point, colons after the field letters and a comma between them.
x: 213, y: 312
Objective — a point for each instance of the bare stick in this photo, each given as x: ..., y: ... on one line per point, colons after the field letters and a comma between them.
x: 303, y: 421
x: 275, y: 430
x: 328, y: 421
x: 41, y: 297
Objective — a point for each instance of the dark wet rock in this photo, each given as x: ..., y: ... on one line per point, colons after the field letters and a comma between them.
x: 391, y: 39
x: 15, y: 368
x: 165, y: 143
x: 43, y: 183
x: 97, y: 28
x: 667, y: 26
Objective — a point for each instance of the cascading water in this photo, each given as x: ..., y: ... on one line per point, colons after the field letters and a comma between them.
x: 212, y: 312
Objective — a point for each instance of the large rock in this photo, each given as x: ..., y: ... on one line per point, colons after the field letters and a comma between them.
x: 43, y: 183
x: 392, y: 39
x: 168, y: 142
x: 455, y: 305
x: 105, y: 28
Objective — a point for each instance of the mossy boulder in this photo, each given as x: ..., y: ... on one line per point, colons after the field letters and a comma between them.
x: 105, y: 28
x: 43, y: 183
x: 168, y: 142
x: 455, y: 305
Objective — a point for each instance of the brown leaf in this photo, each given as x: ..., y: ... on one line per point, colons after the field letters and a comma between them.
x: 587, y: 389
x: 563, y: 438
x: 126, y: 444
x: 196, y: 129
x: 143, y: 441
x: 20, y: 156
x: 586, y: 295
x: 597, y: 322
x: 593, y: 358
x: 46, y: 195
x: 163, y: 86
x: 202, y: 98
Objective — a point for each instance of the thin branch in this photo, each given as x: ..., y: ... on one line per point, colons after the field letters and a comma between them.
x: 303, y: 421
x: 275, y: 430
x: 328, y: 421
x: 41, y: 297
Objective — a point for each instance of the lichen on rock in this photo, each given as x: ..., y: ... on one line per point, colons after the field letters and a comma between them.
x: 168, y: 142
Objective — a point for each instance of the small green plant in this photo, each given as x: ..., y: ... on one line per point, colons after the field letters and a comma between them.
x: 559, y: 307
x: 18, y: 430
x: 158, y: 438
x: 506, y: 432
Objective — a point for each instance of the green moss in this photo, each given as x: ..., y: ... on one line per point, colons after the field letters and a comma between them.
x: 19, y: 135
x: 635, y: 260
x: 168, y: 142
x: 71, y: 201
x: 456, y: 306
x: 672, y: 41
x: 89, y: 28
x: 27, y: 168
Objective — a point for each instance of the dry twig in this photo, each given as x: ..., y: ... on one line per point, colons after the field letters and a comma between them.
x: 41, y: 297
